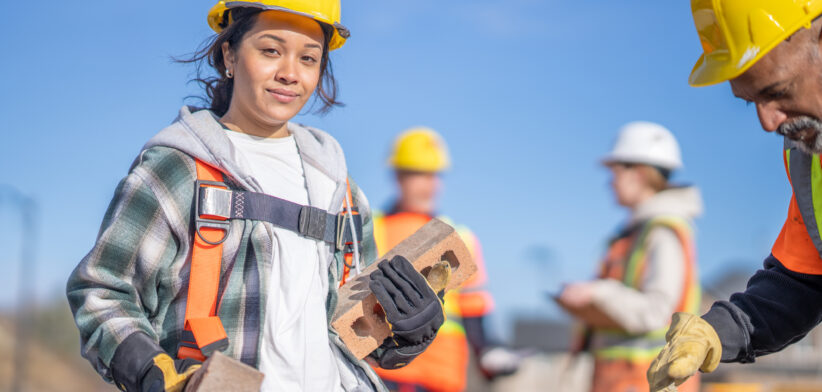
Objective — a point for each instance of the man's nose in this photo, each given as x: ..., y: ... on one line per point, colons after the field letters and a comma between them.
x: 770, y: 116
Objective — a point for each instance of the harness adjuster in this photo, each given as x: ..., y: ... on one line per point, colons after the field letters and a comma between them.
x: 342, y: 226
x: 312, y: 222
x: 212, y: 208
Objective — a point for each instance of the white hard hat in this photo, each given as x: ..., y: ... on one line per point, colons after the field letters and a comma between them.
x: 646, y: 143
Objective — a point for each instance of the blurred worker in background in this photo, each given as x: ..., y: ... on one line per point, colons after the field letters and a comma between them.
x: 418, y: 157
x: 649, y: 270
x: 771, y: 53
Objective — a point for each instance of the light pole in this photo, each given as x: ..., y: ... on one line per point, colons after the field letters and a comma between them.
x: 25, y: 301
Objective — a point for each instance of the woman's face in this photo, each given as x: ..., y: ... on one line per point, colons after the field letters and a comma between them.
x: 628, y: 184
x: 276, y: 68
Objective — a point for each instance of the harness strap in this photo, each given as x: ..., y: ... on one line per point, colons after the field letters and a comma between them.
x: 348, y: 246
x: 214, y: 205
x: 308, y: 221
x: 203, y: 332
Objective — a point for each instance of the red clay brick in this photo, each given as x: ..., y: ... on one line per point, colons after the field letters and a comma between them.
x: 221, y: 373
x: 360, y: 322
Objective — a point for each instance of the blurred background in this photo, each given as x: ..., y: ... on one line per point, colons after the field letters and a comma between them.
x: 529, y: 94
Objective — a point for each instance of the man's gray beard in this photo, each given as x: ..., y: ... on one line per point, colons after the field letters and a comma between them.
x: 798, y: 124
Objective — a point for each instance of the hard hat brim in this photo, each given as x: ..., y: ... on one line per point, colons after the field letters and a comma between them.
x: 416, y: 167
x: 341, y: 33
x: 613, y: 159
x: 720, y: 67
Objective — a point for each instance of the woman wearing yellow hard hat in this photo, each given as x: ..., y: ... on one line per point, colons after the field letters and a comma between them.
x: 235, y: 226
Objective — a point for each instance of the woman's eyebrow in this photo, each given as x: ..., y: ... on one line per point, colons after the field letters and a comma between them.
x: 274, y: 37
x: 280, y: 40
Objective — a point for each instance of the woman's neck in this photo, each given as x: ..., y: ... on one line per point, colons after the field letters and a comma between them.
x: 643, y: 196
x: 236, y: 121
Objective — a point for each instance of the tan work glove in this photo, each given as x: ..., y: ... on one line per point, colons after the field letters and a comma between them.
x: 692, y: 345
x: 438, y: 277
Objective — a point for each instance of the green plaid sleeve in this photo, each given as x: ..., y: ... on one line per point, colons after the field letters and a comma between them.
x: 113, y: 292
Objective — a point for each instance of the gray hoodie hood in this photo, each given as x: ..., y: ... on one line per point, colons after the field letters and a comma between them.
x: 200, y: 135
x: 684, y: 202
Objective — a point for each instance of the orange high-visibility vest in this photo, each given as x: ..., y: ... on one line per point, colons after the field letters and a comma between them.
x: 621, y: 359
x: 626, y: 260
x: 799, y: 245
x: 443, y: 365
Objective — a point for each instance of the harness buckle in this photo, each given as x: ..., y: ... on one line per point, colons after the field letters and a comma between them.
x: 345, y: 242
x: 312, y: 222
x: 214, y: 203
x: 342, y: 219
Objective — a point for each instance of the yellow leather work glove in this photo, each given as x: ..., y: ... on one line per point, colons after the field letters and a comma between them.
x: 169, y: 375
x: 438, y: 277
x: 692, y: 345
x: 141, y: 365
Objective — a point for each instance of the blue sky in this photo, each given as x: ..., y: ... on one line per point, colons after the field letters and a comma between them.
x: 528, y: 94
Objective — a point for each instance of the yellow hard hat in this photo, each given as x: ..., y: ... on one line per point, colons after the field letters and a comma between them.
x: 735, y: 34
x: 419, y: 149
x: 323, y: 11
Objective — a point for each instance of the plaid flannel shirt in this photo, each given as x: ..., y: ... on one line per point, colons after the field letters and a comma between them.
x: 135, y: 279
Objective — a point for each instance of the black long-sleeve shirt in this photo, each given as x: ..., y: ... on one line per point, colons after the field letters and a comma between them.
x: 779, y: 307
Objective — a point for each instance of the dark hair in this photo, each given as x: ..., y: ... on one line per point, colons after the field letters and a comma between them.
x: 657, y: 177
x: 220, y: 88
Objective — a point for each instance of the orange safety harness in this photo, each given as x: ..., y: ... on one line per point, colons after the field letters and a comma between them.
x: 203, y: 333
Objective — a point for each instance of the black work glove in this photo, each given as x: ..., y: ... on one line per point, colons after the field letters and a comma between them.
x: 140, y: 365
x: 412, y: 308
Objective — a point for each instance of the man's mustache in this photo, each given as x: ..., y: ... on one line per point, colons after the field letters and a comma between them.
x: 789, y: 129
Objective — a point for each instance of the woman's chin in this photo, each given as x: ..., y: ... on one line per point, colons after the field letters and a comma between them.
x: 280, y: 114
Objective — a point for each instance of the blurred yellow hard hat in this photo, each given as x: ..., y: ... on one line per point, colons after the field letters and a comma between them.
x: 735, y: 34
x: 419, y: 149
x: 323, y: 11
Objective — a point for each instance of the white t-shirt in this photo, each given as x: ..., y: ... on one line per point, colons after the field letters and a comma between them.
x: 296, y: 353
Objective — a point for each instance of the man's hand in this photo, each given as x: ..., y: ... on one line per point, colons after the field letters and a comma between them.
x: 692, y: 345
x: 412, y: 308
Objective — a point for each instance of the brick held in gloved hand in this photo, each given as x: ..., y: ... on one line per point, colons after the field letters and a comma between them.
x: 413, y: 309
x: 140, y: 364
x: 221, y: 373
x: 360, y: 320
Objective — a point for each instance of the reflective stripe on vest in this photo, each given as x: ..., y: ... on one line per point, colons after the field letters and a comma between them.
x: 627, y: 261
x: 635, y: 349
x: 799, y: 247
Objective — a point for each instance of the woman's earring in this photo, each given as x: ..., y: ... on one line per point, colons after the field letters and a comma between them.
x: 228, y: 74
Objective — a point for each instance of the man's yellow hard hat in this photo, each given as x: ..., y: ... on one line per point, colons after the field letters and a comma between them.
x: 323, y: 11
x: 419, y: 149
x: 735, y: 34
